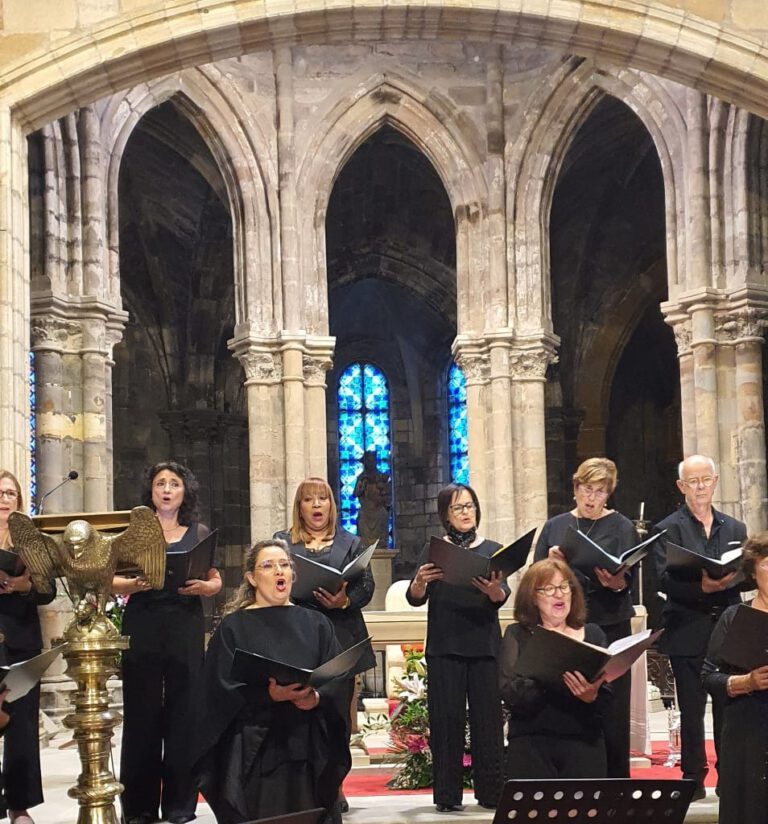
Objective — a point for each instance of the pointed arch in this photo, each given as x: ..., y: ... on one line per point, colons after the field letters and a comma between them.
x: 450, y: 143
x: 209, y: 102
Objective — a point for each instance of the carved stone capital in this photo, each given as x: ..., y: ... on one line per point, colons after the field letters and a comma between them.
x: 53, y: 333
x: 476, y: 366
x: 531, y: 364
x: 261, y: 366
x: 683, y: 336
x: 315, y: 368
x: 741, y: 325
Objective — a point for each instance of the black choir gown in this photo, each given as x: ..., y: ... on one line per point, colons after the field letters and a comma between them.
x: 742, y: 778
x: 257, y: 757
x: 611, y: 611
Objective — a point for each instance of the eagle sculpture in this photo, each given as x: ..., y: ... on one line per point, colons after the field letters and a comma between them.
x: 87, y: 559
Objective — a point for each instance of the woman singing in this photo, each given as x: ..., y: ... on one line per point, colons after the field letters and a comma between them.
x: 20, y: 625
x: 162, y: 668
x: 552, y: 733
x: 743, y: 752
x: 463, y: 638
x: 282, y: 749
x: 609, y: 597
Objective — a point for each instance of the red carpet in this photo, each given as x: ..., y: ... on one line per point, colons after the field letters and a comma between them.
x: 373, y: 781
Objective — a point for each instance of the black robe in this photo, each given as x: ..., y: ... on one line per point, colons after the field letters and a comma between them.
x: 259, y: 758
x: 743, y: 755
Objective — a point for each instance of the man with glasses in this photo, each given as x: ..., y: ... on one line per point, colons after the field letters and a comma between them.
x: 693, y: 604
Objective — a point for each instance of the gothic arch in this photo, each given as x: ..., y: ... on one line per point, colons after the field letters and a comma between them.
x: 555, y: 116
x: 243, y: 161
x: 429, y: 122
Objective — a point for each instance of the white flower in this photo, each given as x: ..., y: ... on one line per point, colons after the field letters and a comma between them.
x: 413, y: 687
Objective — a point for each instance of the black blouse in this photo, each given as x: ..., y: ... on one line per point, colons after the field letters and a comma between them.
x: 20, y: 623
x: 615, y: 534
x: 535, y: 710
x: 461, y: 620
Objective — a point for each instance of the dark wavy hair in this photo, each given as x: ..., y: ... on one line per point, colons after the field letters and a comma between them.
x: 447, y: 495
x: 539, y: 575
x: 188, y: 511
x: 755, y: 549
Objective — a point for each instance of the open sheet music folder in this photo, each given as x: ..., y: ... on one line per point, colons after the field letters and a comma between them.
x: 584, y: 554
x: 312, y: 575
x: 184, y: 566
x: 746, y: 643
x: 256, y: 670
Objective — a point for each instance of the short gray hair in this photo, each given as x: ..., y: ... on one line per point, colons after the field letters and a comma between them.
x: 698, y: 458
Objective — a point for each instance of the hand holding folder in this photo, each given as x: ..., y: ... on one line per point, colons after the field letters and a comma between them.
x: 584, y: 554
x: 191, y: 564
x: 685, y: 561
x: 312, y: 575
x: 460, y: 565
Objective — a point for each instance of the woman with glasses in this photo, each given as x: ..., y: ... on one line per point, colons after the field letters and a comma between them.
x: 553, y: 733
x: 163, y: 667
x: 742, y: 779
x: 609, y: 597
x: 315, y: 534
x: 271, y: 750
x: 463, y: 637
x: 20, y: 624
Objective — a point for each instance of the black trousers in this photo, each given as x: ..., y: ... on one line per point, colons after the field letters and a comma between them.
x: 692, y: 701
x: 21, y: 753
x: 617, y: 711
x: 162, y: 680
x: 452, y: 682
x: 555, y: 756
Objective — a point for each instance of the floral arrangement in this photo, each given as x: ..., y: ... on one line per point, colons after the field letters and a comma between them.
x: 409, y: 727
x: 115, y: 608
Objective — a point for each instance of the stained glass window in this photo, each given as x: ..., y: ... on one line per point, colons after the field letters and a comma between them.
x: 363, y: 398
x: 32, y: 432
x: 458, y: 447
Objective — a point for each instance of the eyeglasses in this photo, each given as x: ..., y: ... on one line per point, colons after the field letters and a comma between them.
x: 457, y: 509
x: 694, y: 483
x: 591, y: 492
x: 11, y: 494
x: 550, y: 589
x: 271, y: 566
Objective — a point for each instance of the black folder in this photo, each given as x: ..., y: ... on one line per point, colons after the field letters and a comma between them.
x: 312, y: 575
x: 461, y: 565
x: 11, y: 562
x: 584, y: 554
x: 682, y: 560
x: 746, y: 643
x: 20, y: 677
x: 549, y: 654
x: 256, y: 670
x: 184, y: 566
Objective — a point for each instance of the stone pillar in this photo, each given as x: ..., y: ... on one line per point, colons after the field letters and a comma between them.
x: 703, y: 346
x: 682, y: 330
x: 529, y: 366
x: 293, y: 414
x: 750, y: 420
x: 474, y: 362
x: 315, y: 366
x: 263, y: 365
x: 503, y: 410
x: 14, y: 299
x: 94, y: 368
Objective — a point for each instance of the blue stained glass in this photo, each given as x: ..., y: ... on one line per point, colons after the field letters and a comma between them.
x: 363, y: 400
x: 32, y: 431
x: 458, y: 442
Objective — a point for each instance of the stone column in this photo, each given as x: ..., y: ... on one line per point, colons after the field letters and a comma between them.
x: 14, y: 299
x: 682, y: 330
x: 94, y: 376
x: 263, y: 365
x: 474, y: 362
x: 750, y: 417
x: 315, y: 366
x: 503, y: 457
x: 529, y: 366
x: 704, y: 346
x: 293, y: 414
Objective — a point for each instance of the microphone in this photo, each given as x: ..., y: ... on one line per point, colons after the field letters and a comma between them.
x: 72, y: 476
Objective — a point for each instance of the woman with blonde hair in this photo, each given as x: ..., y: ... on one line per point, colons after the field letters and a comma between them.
x: 270, y: 750
x: 20, y: 624
x: 609, y: 597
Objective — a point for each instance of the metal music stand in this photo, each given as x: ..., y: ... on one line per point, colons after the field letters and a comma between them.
x: 594, y: 801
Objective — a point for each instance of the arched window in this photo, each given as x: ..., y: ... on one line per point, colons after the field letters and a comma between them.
x: 458, y: 447
x: 363, y: 398
x: 32, y: 433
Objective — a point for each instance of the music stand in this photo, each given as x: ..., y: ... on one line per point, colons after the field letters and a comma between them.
x: 314, y: 816
x: 584, y: 800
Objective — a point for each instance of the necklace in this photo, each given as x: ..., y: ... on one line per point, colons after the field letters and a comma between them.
x: 578, y: 526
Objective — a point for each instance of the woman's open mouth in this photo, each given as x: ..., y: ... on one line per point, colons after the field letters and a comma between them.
x: 281, y: 585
